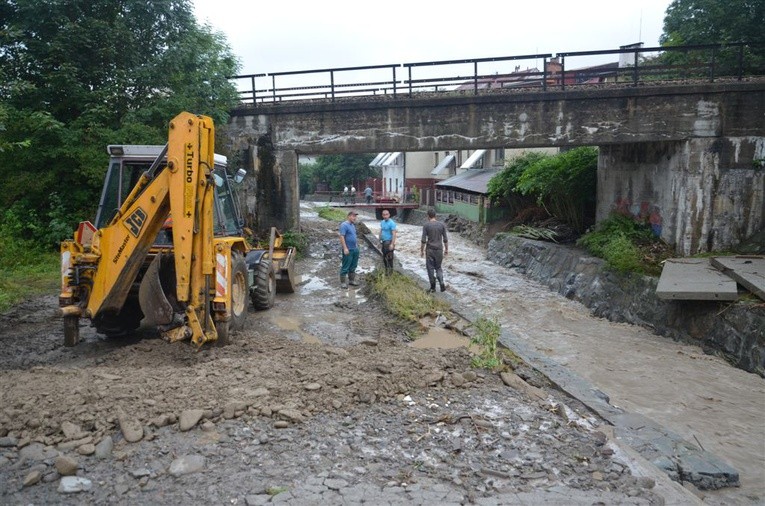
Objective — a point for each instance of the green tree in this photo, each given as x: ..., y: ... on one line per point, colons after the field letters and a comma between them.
x: 341, y: 170
x: 697, y: 22
x: 80, y: 74
x: 307, y: 178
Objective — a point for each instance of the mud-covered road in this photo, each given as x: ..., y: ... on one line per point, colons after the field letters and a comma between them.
x: 321, y: 400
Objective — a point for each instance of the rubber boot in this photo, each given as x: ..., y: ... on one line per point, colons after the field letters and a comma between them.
x: 432, y: 288
x: 343, y: 282
x: 352, y: 279
x: 443, y: 287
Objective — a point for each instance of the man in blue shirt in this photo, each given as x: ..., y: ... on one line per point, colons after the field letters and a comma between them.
x: 350, y: 250
x: 388, y: 236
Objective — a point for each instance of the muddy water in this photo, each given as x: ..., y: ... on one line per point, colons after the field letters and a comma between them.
x: 439, y: 337
x: 698, y: 396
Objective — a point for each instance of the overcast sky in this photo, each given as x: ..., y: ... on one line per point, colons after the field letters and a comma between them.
x: 276, y: 36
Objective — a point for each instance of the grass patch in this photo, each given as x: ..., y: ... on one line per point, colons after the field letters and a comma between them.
x: 486, y: 337
x: 25, y: 271
x: 272, y: 491
x: 403, y: 297
x: 332, y: 213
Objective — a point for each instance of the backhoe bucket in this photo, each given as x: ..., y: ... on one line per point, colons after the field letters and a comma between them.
x: 156, y: 308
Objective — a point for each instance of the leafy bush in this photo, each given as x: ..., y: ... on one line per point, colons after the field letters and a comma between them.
x: 564, y: 184
x: 626, y: 245
x: 297, y: 240
x: 503, y: 185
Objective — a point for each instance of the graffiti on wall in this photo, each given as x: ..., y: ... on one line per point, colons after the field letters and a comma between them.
x: 644, y: 212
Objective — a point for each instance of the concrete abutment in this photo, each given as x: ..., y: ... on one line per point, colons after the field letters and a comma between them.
x: 698, y: 195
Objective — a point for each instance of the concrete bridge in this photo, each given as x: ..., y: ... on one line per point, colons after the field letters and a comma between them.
x: 690, y: 154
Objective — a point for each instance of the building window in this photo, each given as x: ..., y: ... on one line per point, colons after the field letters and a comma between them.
x: 499, y: 156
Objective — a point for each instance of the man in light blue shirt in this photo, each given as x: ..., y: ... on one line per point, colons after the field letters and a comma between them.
x: 350, y: 259
x: 388, y: 236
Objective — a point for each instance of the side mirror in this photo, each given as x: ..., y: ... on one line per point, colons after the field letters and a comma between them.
x: 218, y: 180
x: 239, y: 176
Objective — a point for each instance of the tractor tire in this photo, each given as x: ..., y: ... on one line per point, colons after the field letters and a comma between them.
x: 238, y: 290
x: 71, y: 330
x: 264, y: 291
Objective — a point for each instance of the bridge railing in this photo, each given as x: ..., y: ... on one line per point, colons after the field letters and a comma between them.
x: 626, y: 66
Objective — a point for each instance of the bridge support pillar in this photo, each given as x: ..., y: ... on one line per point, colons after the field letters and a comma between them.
x: 699, y: 195
x: 276, y: 188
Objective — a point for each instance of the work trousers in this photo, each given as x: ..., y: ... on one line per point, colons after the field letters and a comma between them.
x: 433, y: 259
x: 349, y: 262
x: 387, y: 256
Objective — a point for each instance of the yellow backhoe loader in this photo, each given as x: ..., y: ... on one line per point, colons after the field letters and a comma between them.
x: 167, y: 247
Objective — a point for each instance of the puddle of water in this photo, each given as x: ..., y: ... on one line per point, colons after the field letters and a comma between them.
x: 439, y: 337
x: 355, y: 295
x: 314, y: 285
x: 293, y: 324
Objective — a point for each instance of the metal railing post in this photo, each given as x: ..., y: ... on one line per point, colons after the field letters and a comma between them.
x: 475, y: 78
x: 394, y: 80
x: 740, y: 61
x: 253, y: 90
x: 635, y: 77
x: 410, y: 80
x: 332, y: 83
x: 562, y: 72
x: 544, y: 74
x: 712, y: 66
x: 273, y: 87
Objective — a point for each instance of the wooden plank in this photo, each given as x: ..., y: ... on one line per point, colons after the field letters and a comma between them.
x: 694, y: 279
x: 749, y: 271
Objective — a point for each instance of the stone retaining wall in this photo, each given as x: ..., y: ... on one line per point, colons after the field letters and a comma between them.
x: 735, y: 331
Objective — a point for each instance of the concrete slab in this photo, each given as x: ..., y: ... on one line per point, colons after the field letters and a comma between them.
x: 748, y: 271
x: 694, y: 279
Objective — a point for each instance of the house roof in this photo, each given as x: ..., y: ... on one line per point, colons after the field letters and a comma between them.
x: 474, y: 180
x: 473, y: 160
x: 446, y: 165
x: 386, y: 159
x: 391, y: 159
x: 378, y: 159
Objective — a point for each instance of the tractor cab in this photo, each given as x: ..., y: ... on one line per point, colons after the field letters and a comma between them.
x: 128, y: 162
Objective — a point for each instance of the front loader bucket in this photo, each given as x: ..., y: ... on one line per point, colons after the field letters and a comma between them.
x: 156, y: 308
x: 284, y: 268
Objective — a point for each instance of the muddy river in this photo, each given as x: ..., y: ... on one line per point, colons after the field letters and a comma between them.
x: 698, y: 396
